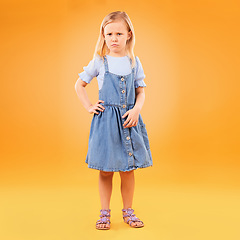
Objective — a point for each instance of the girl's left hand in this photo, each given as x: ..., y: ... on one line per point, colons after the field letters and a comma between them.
x: 132, y: 119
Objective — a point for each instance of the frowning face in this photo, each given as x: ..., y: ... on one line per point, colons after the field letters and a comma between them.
x: 116, y: 36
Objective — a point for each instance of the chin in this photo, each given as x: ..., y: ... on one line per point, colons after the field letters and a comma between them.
x: 112, y: 50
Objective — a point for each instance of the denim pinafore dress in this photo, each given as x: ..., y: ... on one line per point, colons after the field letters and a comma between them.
x: 111, y: 147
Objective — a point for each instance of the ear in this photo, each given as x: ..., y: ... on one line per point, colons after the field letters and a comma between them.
x: 129, y: 35
x: 103, y: 35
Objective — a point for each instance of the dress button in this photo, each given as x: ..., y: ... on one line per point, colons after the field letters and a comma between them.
x: 127, y: 137
x: 130, y: 154
x: 123, y: 91
x: 123, y: 105
x: 122, y: 79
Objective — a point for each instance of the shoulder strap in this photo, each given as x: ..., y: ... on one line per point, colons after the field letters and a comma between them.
x: 105, y: 63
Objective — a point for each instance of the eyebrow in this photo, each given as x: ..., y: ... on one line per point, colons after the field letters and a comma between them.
x: 116, y: 32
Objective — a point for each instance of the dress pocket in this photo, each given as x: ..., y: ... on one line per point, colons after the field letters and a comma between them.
x: 145, y: 135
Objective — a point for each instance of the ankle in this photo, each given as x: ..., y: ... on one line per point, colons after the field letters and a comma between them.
x: 126, y: 208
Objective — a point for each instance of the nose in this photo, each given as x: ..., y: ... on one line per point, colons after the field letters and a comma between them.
x: 114, y: 38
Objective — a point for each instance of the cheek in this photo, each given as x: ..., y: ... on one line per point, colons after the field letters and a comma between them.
x: 107, y: 40
x: 123, y: 41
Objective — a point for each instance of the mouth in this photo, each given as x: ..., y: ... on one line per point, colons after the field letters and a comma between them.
x: 114, y: 45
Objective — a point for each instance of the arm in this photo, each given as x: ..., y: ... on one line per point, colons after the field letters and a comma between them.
x: 82, y: 94
x: 133, y: 114
x: 140, y: 98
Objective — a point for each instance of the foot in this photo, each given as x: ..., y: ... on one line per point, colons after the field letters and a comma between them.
x: 131, y: 218
x: 104, y: 221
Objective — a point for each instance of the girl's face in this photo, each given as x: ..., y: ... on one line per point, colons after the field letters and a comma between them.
x: 116, y: 36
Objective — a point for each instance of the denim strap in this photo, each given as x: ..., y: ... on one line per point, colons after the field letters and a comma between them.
x: 105, y: 64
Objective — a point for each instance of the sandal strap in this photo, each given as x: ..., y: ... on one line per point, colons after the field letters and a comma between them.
x: 128, y: 210
x: 103, y: 220
x: 131, y: 215
x: 133, y: 219
x: 105, y: 213
x: 128, y: 215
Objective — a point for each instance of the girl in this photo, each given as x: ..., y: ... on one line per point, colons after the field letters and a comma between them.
x: 118, y: 140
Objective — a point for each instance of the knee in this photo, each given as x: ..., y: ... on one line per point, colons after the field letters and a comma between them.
x: 127, y: 173
x: 106, y: 174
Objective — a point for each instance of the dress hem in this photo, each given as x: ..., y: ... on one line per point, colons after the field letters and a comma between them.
x: 118, y: 170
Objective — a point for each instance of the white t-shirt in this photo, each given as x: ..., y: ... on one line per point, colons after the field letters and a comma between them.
x: 116, y: 65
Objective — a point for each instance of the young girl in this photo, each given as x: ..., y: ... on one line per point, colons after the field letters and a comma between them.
x: 118, y: 140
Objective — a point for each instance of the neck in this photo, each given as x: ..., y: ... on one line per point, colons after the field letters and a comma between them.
x: 117, y: 54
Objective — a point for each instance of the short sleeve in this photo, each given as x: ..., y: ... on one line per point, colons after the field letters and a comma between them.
x: 139, y: 76
x: 90, y: 71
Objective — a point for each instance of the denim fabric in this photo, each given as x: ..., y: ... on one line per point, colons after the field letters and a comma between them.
x: 111, y: 147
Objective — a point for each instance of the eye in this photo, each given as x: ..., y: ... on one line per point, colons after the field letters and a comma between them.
x: 120, y: 33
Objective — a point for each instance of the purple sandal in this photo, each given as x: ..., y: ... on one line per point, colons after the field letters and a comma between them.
x: 104, y: 214
x: 132, y: 217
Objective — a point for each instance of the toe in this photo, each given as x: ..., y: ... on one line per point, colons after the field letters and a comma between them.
x: 140, y: 224
x: 133, y: 224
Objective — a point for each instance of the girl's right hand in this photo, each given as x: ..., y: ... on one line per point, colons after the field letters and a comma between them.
x: 96, y: 106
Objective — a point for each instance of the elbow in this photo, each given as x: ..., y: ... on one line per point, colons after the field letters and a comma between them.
x: 76, y: 86
x: 80, y: 84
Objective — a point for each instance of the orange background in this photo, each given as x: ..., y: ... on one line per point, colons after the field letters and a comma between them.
x: 190, y: 55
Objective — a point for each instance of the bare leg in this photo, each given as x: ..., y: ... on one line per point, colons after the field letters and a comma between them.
x: 105, y: 190
x: 127, y: 190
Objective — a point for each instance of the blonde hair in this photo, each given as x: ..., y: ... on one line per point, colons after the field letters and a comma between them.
x: 101, y: 48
